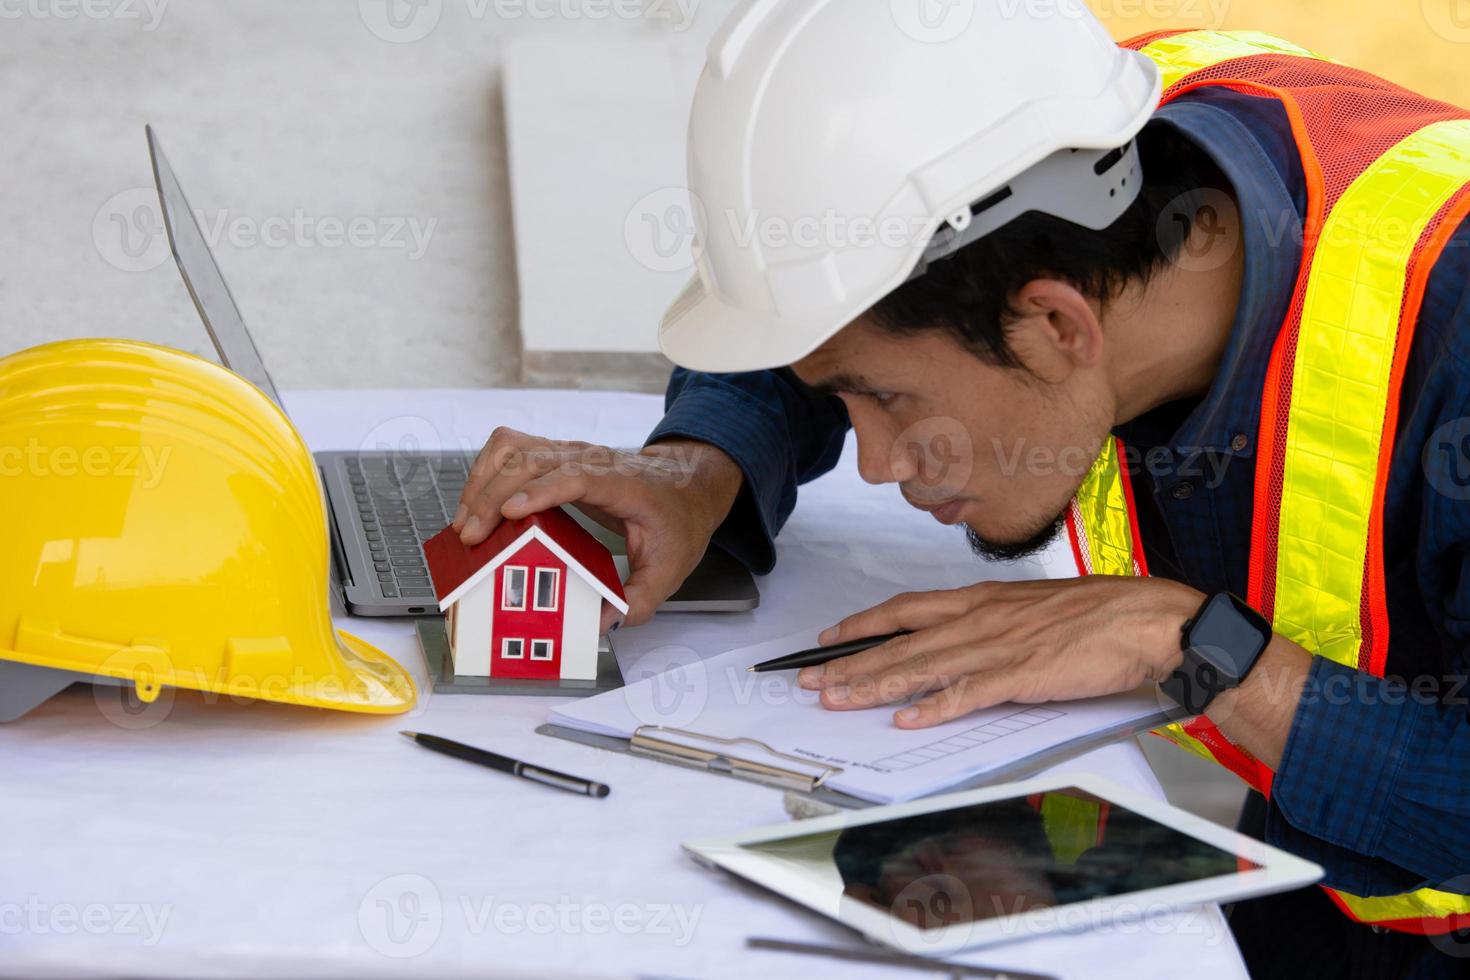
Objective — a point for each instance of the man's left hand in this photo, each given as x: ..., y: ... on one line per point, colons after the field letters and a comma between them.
x: 993, y: 642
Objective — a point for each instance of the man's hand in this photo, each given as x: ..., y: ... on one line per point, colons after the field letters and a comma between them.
x: 993, y: 642
x: 666, y: 500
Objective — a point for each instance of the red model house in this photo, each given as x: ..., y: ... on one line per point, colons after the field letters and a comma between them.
x: 527, y: 601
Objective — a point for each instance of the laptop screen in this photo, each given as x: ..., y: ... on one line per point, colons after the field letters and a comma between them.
x: 206, y: 284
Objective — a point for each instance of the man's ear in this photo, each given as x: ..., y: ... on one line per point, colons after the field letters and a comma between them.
x: 1058, y: 331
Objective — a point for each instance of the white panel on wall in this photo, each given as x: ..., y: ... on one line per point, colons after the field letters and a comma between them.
x: 596, y: 131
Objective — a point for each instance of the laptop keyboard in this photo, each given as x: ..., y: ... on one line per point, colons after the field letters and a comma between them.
x: 401, y: 503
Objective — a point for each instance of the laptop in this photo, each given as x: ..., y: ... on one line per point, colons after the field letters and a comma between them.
x: 384, y: 505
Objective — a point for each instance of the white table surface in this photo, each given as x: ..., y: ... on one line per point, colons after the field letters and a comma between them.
x: 210, y: 838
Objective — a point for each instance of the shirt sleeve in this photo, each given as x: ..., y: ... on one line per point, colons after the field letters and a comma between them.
x: 1372, y: 784
x: 779, y: 431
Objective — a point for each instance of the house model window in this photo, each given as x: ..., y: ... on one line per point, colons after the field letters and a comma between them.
x: 513, y: 649
x: 547, y: 579
x: 515, y: 588
x: 541, y: 649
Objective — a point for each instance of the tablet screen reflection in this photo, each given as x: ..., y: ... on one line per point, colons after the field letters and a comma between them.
x: 1005, y: 857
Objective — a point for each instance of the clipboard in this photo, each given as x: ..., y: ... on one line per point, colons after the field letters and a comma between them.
x: 752, y: 760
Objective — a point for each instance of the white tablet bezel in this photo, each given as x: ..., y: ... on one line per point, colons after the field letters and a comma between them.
x: 1276, y: 870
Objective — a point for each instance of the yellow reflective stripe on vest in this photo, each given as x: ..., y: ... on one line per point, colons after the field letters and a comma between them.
x: 1070, y: 824
x: 1185, y: 54
x: 1340, y: 384
x: 1426, y: 903
x: 1174, y: 732
x: 1101, y: 511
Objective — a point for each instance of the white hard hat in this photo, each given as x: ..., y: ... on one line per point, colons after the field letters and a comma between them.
x: 831, y: 143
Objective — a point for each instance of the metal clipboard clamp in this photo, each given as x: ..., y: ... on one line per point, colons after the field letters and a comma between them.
x: 653, y: 741
x: 657, y: 742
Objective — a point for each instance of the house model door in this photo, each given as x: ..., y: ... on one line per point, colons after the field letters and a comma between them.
x: 530, y: 605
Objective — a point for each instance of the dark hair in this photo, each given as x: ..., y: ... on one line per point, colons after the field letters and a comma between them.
x: 968, y: 294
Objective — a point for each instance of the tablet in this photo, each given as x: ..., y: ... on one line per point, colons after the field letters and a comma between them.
x: 1004, y: 863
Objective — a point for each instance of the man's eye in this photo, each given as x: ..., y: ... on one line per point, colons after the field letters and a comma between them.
x: 882, y: 397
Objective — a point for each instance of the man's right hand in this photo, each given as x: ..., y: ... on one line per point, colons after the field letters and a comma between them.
x: 666, y: 500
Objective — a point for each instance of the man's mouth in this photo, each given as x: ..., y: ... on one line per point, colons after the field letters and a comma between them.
x: 945, y: 512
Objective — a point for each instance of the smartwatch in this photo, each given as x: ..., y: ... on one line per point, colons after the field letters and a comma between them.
x: 1221, y: 644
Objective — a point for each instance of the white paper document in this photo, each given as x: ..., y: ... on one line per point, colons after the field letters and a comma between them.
x: 862, y: 753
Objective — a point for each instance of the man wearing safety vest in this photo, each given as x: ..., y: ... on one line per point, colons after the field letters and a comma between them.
x: 1197, y: 302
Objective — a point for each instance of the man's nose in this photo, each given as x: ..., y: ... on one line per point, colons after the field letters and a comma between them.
x: 880, y: 460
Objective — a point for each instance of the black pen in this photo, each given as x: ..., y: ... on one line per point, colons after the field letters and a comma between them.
x: 547, y: 777
x: 821, y: 655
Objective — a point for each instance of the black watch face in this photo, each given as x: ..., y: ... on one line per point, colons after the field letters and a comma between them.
x: 1228, y: 637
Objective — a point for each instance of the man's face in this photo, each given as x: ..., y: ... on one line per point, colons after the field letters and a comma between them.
x: 999, y: 449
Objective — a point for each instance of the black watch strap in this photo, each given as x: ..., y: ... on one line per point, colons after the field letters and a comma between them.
x: 1221, y: 645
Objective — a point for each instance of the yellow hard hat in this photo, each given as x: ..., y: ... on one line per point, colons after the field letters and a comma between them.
x: 165, y: 527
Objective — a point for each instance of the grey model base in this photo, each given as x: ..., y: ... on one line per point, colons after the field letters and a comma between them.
x: 434, y: 643
x: 24, y: 687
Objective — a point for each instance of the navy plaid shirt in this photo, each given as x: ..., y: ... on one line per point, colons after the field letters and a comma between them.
x: 1373, y: 783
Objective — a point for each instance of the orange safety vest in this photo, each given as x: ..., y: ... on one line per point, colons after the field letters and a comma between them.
x: 1388, y: 182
